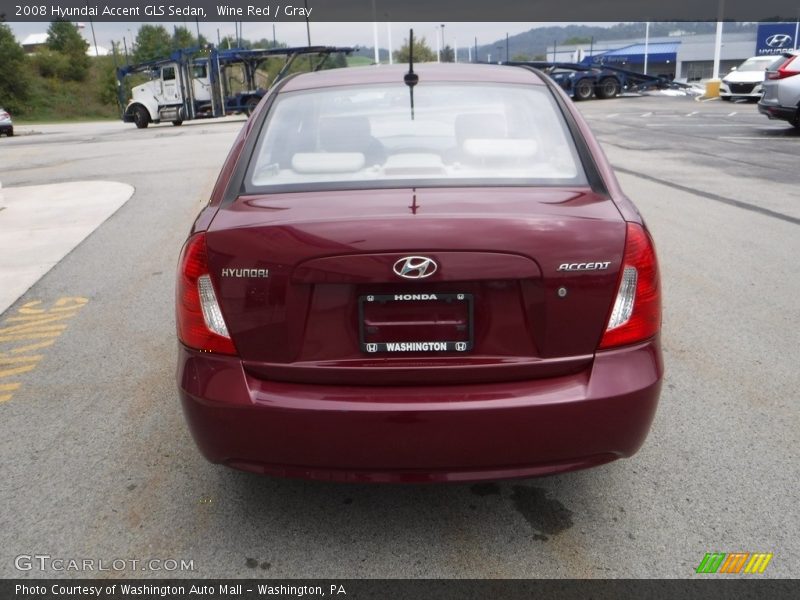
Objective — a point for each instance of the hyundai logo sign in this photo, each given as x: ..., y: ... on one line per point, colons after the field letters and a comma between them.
x: 775, y: 38
x: 779, y: 40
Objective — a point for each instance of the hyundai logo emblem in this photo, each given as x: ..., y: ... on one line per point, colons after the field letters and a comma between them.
x: 779, y: 40
x: 415, y: 267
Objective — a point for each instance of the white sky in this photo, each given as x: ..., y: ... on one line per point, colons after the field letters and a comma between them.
x: 333, y: 34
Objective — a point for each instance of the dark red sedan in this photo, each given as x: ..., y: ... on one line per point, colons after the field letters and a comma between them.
x: 416, y: 278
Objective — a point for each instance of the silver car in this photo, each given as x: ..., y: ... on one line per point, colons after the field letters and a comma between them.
x: 781, y: 99
x: 6, y: 126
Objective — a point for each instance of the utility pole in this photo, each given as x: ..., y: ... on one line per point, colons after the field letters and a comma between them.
x: 718, y: 40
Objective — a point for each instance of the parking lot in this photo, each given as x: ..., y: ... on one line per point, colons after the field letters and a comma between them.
x: 99, y: 464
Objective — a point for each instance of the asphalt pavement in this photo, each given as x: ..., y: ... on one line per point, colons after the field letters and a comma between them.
x: 98, y: 463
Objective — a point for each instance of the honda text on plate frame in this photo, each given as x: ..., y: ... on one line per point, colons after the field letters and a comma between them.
x: 449, y: 285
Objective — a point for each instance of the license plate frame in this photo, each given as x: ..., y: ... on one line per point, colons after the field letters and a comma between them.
x: 424, y: 346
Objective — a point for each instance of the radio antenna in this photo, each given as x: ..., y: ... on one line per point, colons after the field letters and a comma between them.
x: 411, y: 79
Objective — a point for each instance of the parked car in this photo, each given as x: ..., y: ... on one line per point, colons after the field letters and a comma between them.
x: 6, y: 125
x: 745, y: 81
x: 781, y: 99
x: 418, y: 276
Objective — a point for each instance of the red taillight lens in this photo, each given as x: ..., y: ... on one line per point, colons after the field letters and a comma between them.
x: 197, y: 313
x: 787, y: 69
x: 636, y: 314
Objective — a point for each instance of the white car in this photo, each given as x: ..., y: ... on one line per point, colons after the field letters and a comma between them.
x: 6, y: 126
x: 745, y: 80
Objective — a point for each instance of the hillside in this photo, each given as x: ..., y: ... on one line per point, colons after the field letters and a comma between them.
x: 534, y: 42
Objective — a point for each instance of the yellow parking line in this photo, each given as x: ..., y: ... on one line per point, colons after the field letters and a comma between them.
x: 16, y: 370
x: 33, y: 327
x: 18, y: 359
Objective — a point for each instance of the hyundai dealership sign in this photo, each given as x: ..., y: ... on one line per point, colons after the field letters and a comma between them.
x: 774, y: 38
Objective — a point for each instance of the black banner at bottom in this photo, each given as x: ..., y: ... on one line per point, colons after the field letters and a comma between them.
x: 399, y: 589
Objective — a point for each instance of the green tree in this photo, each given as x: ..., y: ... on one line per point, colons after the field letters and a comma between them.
x: 448, y: 54
x: 577, y: 41
x: 421, y: 52
x: 64, y: 38
x: 183, y: 38
x: 152, y: 42
x: 14, y: 80
x: 230, y: 41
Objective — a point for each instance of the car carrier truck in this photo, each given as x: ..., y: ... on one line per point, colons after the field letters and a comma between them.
x: 194, y: 83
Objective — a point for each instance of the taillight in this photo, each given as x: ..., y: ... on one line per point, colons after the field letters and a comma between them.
x: 198, y: 315
x: 636, y: 315
x: 787, y: 69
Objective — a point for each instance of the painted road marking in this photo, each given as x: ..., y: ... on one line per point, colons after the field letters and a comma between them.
x: 742, y: 137
x: 647, y: 114
x: 32, y: 328
x: 692, y: 113
x: 731, y: 114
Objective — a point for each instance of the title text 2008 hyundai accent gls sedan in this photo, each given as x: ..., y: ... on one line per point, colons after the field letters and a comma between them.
x: 427, y: 277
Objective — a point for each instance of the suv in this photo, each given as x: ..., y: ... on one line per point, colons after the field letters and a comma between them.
x: 6, y: 126
x: 781, y: 98
x: 745, y: 81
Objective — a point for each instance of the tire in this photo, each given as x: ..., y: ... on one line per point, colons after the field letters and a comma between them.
x: 583, y: 90
x: 141, y: 117
x: 726, y: 98
x: 10, y: 132
x: 177, y: 123
x: 607, y: 88
x: 251, y: 105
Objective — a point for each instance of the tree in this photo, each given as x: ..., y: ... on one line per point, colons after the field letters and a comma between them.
x: 183, y: 38
x: 448, y: 54
x: 64, y: 38
x: 14, y: 81
x: 577, y: 41
x: 421, y: 52
x: 152, y: 42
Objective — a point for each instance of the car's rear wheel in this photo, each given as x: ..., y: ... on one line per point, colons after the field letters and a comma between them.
x: 583, y: 90
x: 726, y: 98
x: 608, y: 88
x: 141, y: 117
x: 177, y: 123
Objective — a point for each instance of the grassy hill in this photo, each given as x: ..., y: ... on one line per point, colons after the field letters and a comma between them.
x: 52, y: 99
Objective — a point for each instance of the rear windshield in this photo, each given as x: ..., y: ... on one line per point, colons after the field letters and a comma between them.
x: 456, y: 134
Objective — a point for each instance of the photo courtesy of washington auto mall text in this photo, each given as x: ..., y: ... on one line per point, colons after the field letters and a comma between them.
x: 178, y: 590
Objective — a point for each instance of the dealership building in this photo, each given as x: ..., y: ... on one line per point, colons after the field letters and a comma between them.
x: 681, y: 56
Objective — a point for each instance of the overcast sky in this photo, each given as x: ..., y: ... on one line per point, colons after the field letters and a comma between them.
x: 334, y: 34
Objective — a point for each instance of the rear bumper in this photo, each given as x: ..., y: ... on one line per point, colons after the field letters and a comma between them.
x: 418, y: 434
x: 774, y: 111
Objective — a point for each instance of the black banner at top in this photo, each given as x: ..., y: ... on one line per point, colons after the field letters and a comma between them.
x: 399, y: 10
